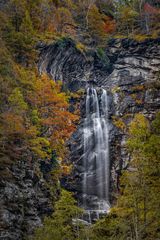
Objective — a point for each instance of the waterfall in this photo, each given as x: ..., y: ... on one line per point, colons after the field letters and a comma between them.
x: 95, y: 187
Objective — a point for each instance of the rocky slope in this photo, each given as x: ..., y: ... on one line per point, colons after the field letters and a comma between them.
x: 25, y: 198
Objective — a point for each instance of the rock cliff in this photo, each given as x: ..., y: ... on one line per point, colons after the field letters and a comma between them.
x: 25, y: 198
x: 128, y: 70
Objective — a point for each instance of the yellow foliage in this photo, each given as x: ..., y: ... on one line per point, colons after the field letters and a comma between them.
x: 138, y: 88
x: 115, y: 89
x: 66, y: 169
x: 81, y: 47
x: 119, y: 123
x: 140, y: 37
x: 155, y: 34
x: 139, y: 101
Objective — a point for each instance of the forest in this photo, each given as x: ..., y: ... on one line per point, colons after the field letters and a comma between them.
x: 37, y: 119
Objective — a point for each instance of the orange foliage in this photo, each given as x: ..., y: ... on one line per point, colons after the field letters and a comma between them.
x: 51, y: 27
x: 12, y: 133
x: 13, y: 124
x: 35, y: 119
x: 55, y: 118
x: 109, y: 25
x: 66, y: 169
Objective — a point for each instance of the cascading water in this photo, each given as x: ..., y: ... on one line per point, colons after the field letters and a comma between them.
x: 95, y: 187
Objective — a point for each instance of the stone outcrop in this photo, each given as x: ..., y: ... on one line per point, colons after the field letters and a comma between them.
x: 63, y: 61
x: 25, y: 198
x: 135, y: 89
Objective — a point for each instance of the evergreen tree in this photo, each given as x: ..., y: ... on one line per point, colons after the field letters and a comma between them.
x: 60, y: 225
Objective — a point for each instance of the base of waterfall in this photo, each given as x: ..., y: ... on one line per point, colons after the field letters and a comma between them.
x: 91, y: 215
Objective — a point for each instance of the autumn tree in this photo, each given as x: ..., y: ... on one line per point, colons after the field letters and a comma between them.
x: 137, y: 17
x: 52, y: 106
x: 65, y: 21
x: 127, y: 19
x: 151, y: 15
x: 34, y: 113
x: 96, y: 24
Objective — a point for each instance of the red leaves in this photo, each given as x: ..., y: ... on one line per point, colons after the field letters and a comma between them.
x: 151, y: 10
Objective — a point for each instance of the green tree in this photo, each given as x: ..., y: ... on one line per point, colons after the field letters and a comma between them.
x: 96, y: 24
x: 65, y: 21
x: 60, y: 226
x: 17, y: 101
x: 127, y: 18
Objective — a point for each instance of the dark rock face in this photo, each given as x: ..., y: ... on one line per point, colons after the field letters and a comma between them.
x: 3, y: 3
x: 128, y: 71
x: 63, y: 61
x: 25, y: 200
x: 132, y: 83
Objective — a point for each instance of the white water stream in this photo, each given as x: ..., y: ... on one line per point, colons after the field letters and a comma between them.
x: 95, y: 187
